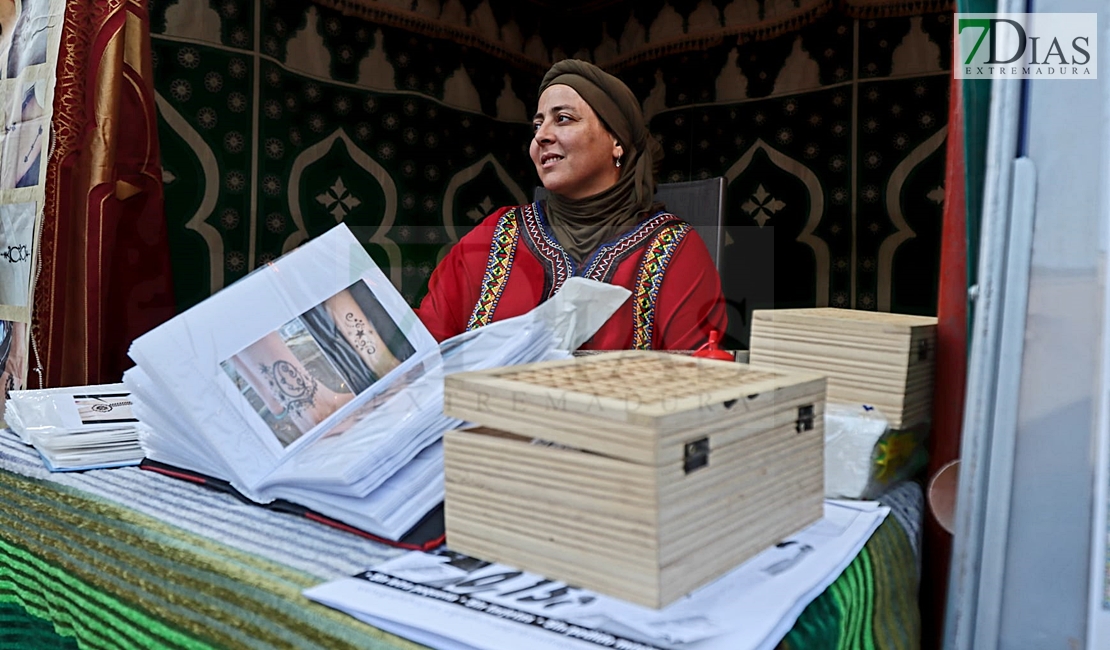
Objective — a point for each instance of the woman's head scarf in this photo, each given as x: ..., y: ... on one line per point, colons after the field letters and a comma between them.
x: 582, y: 225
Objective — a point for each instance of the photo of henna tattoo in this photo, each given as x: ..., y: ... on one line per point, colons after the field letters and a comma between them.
x: 288, y: 381
x: 298, y: 375
x: 294, y: 389
x: 98, y: 408
x: 358, y: 334
x: 24, y: 139
x: 28, y: 37
x: 17, y: 231
x: 16, y: 254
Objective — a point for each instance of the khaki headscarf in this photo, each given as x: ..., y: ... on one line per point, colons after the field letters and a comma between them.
x: 584, y: 224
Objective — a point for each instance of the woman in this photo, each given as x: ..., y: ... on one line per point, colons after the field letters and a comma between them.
x: 593, y: 153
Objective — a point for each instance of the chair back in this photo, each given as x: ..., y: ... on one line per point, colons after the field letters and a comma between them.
x: 700, y: 203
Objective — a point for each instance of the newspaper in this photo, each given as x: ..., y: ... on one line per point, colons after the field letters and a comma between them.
x: 450, y: 601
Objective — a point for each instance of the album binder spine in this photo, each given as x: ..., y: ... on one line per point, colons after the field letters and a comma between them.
x: 427, y: 534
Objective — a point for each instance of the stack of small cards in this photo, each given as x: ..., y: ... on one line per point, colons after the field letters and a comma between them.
x: 82, y: 427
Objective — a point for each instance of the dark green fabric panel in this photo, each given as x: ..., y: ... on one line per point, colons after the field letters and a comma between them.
x: 20, y: 630
x: 396, y: 136
x: 832, y: 144
x: 976, y: 112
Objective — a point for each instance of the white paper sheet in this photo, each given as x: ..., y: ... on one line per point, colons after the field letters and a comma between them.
x: 447, y: 600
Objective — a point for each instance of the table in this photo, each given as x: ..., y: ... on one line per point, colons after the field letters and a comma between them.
x: 128, y: 558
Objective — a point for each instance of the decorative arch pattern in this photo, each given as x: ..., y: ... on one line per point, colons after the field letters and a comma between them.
x: 836, y: 107
x: 816, y: 201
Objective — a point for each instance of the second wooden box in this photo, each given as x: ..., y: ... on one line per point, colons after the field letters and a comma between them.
x: 640, y: 475
x: 875, y: 358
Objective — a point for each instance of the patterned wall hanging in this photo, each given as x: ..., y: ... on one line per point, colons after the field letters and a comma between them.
x: 279, y: 120
x: 409, y: 121
x: 29, y: 40
x: 831, y: 140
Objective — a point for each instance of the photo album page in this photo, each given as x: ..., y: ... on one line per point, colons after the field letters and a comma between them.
x: 294, y: 351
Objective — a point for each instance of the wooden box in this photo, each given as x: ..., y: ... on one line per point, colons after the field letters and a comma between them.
x: 641, y: 475
x: 876, y: 358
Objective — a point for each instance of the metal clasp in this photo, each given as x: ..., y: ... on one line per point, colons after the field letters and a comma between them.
x: 805, y: 419
x: 695, y: 454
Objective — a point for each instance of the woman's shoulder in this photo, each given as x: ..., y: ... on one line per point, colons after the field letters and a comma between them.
x: 682, y: 233
x: 484, y: 229
x: 492, y: 218
x: 666, y: 218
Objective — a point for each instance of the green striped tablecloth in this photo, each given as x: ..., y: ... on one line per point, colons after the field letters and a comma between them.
x: 130, y: 559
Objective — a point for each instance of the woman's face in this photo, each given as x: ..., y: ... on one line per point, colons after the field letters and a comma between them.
x: 573, y: 152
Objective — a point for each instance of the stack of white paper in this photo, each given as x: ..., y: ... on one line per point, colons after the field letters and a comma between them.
x: 311, y: 380
x: 450, y: 601
x: 82, y: 427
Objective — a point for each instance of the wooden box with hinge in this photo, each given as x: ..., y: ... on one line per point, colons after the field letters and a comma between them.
x: 876, y: 358
x: 640, y: 475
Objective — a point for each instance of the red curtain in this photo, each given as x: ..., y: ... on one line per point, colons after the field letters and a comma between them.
x: 951, y: 369
x: 105, y: 268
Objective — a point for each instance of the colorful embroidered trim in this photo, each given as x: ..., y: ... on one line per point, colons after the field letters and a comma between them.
x: 649, y: 280
x: 502, y: 249
x: 609, y: 256
x: 557, y: 265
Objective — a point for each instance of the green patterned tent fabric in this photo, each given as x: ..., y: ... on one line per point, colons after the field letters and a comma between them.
x: 873, y: 604
x: 130, y: 559
x: 409, y: 122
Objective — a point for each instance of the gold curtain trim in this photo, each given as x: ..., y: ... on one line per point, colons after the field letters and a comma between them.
x: 83, y: 22
x: 66, y: 124
x: 125, y: 190
x: 106, y: 127
x: 133, y: 42
x: 763, y: 30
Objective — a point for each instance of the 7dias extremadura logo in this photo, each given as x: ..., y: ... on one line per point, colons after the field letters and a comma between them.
x: 1026, y: 46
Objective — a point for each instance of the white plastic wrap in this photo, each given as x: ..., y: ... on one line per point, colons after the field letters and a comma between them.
x: 72, y: 409
x: 863, y: 456
x: 78, y: 427
x: 851, y: 432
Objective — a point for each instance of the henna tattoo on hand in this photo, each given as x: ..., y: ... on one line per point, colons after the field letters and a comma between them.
x: 16, y: 254
x: 359, y: 333
x: 295, y: 390
x: 37, y: 136
x: 106, y: 407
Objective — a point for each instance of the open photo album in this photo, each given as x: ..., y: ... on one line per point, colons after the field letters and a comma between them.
x: 311, y: 381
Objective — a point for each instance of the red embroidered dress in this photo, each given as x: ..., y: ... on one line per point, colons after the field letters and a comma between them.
x: 511, y: 262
